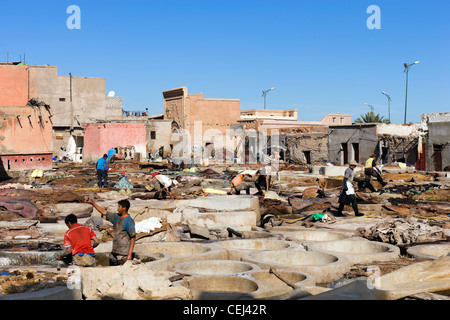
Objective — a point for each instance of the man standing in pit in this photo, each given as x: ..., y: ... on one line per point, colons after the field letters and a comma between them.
x: 124, y: 231
x: 77, y: 241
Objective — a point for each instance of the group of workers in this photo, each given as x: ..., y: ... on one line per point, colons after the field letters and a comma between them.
x: 347, y: 195
x: 263, y: 180
x: 162, y: 183
x: 102, y: 167
x: 80, y: 240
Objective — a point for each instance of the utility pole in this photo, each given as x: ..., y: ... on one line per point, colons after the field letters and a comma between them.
x: 389, y: 105
x: 407, y: 67
x: 71, y: 106
x: 264, y: 95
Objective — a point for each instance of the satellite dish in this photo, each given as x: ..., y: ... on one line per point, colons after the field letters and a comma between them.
x: 111, y: 94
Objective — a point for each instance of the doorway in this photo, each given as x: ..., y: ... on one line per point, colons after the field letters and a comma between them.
x: 355, y: 149
x: 344, y: 153
x: 437, y: 157
x: 307, y: 156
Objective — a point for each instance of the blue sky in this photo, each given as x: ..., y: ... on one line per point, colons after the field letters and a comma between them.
x: 318, y: 54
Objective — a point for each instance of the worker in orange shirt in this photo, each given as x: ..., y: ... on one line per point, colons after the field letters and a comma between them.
x: 237, y: 184
x: 77, y: 241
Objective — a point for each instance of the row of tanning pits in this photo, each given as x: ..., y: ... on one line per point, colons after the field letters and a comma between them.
x: 271, y: 264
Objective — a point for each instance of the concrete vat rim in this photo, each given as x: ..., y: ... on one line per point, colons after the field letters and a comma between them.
x: 296, y: 236
x: 420, y: 251
x: 309, y: 279
x: 246, y: 289
x: 236, y: 252
x: 333, y: 269
x: 246, y: 267
x: 206, y: 251
x: 391, y: 251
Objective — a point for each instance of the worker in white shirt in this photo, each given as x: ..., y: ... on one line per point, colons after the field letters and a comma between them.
x: 164, y: 185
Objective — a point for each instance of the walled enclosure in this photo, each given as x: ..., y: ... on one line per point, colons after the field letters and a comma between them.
x: 438, y: 146
x: 100, y: 137
x: 360, y: 139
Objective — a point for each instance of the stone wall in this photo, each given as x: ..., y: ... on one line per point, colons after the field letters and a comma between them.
x: 438, y: 146
x: 307, y: 148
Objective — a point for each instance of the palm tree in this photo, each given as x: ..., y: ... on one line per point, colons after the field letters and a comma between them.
x: 371, y: 117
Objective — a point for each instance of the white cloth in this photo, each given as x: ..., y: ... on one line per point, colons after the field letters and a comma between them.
x: 164, y: 180
x: 148, y: 225
x: 350, y: 189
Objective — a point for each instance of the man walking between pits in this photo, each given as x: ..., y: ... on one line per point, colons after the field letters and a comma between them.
x: 102, y: 171
x: 347, y: 195
x: 124, y: 231
x: 370, y: 170
x: 77, y: 241
x: 262, y: 182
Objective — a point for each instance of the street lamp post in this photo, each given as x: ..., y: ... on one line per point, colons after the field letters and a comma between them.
x: 264, y: 95
x: 371, y: 107
x: 389, y: 105
x: 407, y: 67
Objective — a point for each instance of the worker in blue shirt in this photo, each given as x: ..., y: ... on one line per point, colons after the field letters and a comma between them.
x: 111, y: 152
x: 102, y: 171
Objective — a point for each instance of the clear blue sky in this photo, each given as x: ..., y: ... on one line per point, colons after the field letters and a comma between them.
x: 318, y: 54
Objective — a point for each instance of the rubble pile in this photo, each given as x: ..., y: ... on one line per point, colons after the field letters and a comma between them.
x: 402, y: 232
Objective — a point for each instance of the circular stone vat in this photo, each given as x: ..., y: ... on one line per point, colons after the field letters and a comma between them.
x: 309, y: 236
x: 429, y: 251
x: 235, y: 249
x: 358, y: 250
x: 221, y: 287
x: 180, y: 251
x: 157, y: 261
x: 293, y: 277
x: 215, y: 267
x: 323, y: 266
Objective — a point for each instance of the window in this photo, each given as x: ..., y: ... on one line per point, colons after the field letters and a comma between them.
x: 153, y: 135
x: 62, y: 99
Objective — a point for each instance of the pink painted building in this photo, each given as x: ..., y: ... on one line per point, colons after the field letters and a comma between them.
x: 25, y: 138
x: 13, y: 84
x: 25, y: 131
x: 100, y: 137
